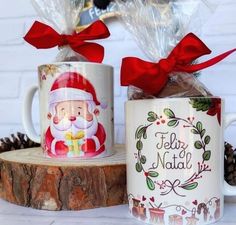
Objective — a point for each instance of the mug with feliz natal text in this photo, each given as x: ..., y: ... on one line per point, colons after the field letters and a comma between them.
x: 175, y: 160
x: 76, y: 110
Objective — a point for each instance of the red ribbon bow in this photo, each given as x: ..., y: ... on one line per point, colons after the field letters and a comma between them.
x: 152, y: 77
x: 43, y: 36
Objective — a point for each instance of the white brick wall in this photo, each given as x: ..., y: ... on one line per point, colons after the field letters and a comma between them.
x: 18, y: 62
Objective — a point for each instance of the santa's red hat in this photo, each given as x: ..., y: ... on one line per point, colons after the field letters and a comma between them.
x: 72, y: 86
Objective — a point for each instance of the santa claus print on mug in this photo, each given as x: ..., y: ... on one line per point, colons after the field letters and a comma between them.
x: 74, y: 129
x: 79, y: 113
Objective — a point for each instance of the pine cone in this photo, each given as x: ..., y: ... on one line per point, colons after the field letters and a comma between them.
x: 230, y: 164
x: 201, y: 104
x: 16, y: 141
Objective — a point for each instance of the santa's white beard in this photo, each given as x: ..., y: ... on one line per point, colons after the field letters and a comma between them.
x: 80, y: 124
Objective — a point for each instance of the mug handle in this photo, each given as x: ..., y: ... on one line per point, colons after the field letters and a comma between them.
x: 27, y: 114
x: 229, y: 190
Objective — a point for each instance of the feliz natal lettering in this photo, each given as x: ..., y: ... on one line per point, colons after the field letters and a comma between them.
x: 168, y: 159
x: 95, y: 12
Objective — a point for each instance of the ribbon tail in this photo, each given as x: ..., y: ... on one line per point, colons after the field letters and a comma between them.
x: 204, y: 65
x: 42, y: 36
x: 142, y: 74
x: 93, y: 52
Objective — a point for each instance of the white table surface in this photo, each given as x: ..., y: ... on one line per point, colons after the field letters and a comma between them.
x: 16, y: 215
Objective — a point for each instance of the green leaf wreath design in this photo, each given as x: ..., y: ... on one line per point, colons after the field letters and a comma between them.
x: 169, y: 113
x: 141, y: 133
x: 173, y: 121
x: 195, y: 129
x: 190, y: 186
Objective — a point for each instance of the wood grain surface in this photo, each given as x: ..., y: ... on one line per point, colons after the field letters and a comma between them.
x: 32, y: 180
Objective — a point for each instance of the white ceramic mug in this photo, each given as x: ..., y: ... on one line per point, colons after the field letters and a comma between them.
x: 76, y: 110
x: 175, y: 160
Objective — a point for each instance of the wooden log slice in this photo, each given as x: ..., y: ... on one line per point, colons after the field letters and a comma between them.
x: 29, y: 179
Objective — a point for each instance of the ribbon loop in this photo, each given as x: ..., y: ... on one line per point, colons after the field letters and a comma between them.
x: 43, y: 36
x: 152, y: 77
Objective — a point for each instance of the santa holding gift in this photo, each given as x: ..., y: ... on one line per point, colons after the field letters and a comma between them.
x: 73, y: 110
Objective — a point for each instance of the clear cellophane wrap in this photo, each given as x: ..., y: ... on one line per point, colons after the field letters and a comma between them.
x: 63, y: 16
x: 158, y: 26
